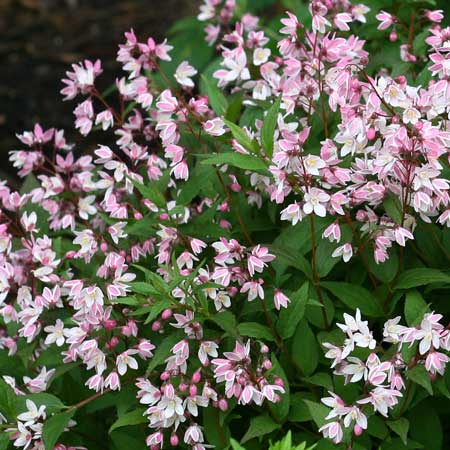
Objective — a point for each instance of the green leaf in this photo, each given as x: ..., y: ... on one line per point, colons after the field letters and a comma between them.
x: 268, y: 128
x: 54, y: 427
x: 235, y: 445
x: 292, y: 259
x: 394, y: 208
x: 290, y: 317
x: 241, y: 136
x: 255, y: 330
x: 305, y: 349
x: 240, y: 160
x: 419, y: 375
x: 163, y: 350
x: 151, y: 193
x: 259, y: 426
x: 415, y: 308
x: 4, y: 440
x: 216, y: 98
x: 401, y: 427
x: 420, y: 277
x: 280, y: 410
x: 131, y: 418
x: 318, y: 412
x: 355, y: 297
x: 227, y: 321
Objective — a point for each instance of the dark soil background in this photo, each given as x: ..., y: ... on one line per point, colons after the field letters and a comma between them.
x: 39, y: 39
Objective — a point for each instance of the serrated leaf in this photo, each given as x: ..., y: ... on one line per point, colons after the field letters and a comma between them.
x: 255, y: 330
x: 259, y: 426
x: 130, y: 418
x: 421, y: 277
x: 290, y: 317
x: 355, y: 296
x: 151, y: 193
x: 242, y: 137
x: 268, y: 128
x: 240, y: 160
x: 54, y: 427
x: 401, y: 427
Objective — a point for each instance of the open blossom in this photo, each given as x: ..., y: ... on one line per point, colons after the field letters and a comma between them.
x: 184, y: 74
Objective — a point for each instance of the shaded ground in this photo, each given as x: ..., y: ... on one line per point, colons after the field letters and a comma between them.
x: 39, y: 39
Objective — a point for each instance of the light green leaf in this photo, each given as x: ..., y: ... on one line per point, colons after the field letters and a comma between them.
x: 240, y: 160
x: 241, y: 136
x: 318, y: 412
x: 268, y: 128
x: 216, y: 98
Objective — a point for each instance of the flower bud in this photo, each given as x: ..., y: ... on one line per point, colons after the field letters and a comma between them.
x: 192, y: 390
x: 370, y: 134
x: 156, y: 325
x: 223, y: 404
x: 110, y: 324
x: 196, y: 377
x: 166, y: 314
x: 358, y: 430
x: 174, y: 440
x: 393, y: 36
x: 279, y: 382
x: 138, y: 215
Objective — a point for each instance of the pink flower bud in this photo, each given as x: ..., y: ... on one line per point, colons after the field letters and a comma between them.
x: 267, y: 364
x: 113, y: 342
x: 164, y: 376
x: 110, y: 324
x: 174, y: 440
x: 192, y: 390
x: 138, y: 215
x: 264, y: 349
x: 70, y: 254
x: 279, y: 382
x: 393, y: 36
x: 166, y: 314
x: 182, y: 386
x: 370, y: 134
x: 104, y: 247
x: 358, y: 430
x: 196, y: 377
x: 156, y: 326
x: 223, y: 404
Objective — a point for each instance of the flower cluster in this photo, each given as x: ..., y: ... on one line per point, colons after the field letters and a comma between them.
x: 185, y: 232
x: 383, y: 377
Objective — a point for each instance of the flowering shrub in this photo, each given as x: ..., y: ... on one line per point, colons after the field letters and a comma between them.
x: 253, y: 239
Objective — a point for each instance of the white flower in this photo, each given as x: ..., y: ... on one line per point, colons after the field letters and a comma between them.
x: 184, y: 73
x: 33, y: 413
x: 57, y: 333
x: 346, y: 251
x: 86, y: 208
x: 125, y: 360
x: 260, y: 56
x: 313, y: 164
x: 314, y: 200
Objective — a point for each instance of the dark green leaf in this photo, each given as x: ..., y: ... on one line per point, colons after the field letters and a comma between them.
x: 259, y: 426
x: 290, y: 317
x: 216, y: 98
x: 241, y: 136
x: 415, y: 308
x: 401, y: 427
x: 420, y: 277
x: 54, y: 427
x: 131, y: 418
x: 305, y: 350
x: 255, y: 330
x: 355, y: 297
x: 419, y: 375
